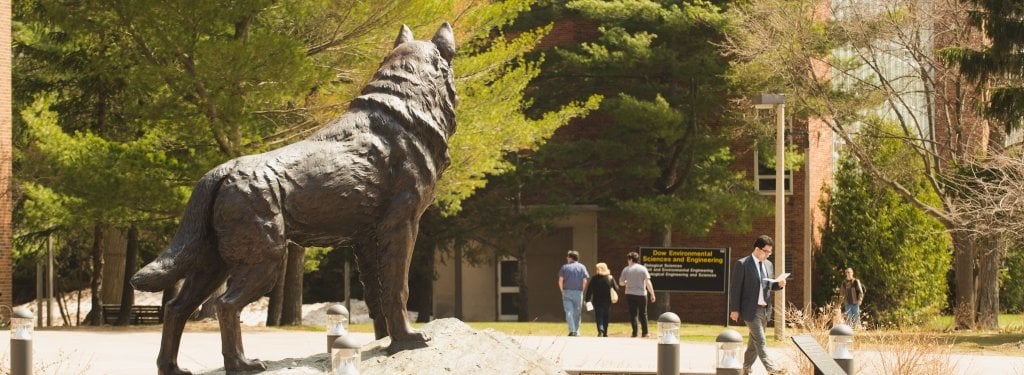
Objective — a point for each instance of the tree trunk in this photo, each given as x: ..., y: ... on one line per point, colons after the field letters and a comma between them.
x: 63, y: 307
x: 277, y: 298
x: 990, y: 251
x: 127, y: 292
x: 963, y: 267
x: 661, y: 235
x: 291, y: 311
x: 78, y: 309
x: 524, y: 285
x: 115, y: 248
x: 96, y: 286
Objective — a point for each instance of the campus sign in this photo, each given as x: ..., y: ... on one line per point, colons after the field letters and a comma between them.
x: 687, y: 269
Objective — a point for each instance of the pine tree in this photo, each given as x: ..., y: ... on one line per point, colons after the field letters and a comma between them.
x: 659, y: 148
x: 665, y: 156
x: 493, y: 128
x: 1000, y: 61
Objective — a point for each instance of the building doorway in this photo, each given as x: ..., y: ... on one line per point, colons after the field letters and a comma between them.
x: 508, y: 289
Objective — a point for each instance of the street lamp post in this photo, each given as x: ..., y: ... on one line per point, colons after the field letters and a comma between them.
x: 668, y: 343
x: 729, y: 354
x: 840, y: 339
x: 21, y: 341
x: 337, y: 324
x: 778, y: 102
x: 346, y: 355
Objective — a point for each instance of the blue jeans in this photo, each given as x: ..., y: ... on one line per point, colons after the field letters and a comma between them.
x: 572, y: 301
x: 755, y: 346
x: 852, y: 315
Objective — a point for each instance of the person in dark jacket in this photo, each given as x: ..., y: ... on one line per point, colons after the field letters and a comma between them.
x: 751, y: 290
x: 853, y: 296
x: 599, y: 291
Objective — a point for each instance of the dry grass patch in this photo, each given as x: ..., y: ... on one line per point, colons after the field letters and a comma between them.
x: 890, y: 351
x: 908, y: 352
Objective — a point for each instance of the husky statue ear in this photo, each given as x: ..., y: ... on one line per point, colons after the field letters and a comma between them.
x: 404, y: 35
x: 444, y: 39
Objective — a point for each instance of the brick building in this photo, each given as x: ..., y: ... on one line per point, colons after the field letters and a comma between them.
x: 484, y: 293
x: 6, y: 119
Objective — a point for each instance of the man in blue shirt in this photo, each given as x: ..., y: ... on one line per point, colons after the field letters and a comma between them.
x: 572, y: 281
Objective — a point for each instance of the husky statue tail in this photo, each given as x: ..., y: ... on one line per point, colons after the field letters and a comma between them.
x: 192, y: 241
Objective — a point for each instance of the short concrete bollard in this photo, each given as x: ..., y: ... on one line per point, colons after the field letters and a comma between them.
x: 729, y: 349
x: 21, y: 341
x: 337, y: 324
x: 841, y: 339
x: 668, y: 344
x: 346, y: 356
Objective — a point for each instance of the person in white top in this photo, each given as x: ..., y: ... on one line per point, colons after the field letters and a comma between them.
x: 637, y: 281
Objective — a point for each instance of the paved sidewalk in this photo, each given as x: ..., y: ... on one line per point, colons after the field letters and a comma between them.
x: 626, y: 354
x: 617, y: 353
x: 134, y: 352
x: 640, y: 355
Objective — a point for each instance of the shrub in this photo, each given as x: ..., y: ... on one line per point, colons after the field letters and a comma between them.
x: 900, y: 254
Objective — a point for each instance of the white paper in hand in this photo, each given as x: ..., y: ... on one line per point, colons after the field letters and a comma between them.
x: 781, y: 277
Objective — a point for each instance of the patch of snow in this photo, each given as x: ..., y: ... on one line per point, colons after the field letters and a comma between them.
x: 253, y: 315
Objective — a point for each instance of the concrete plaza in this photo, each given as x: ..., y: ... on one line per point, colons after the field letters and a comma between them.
x: 133, y: 351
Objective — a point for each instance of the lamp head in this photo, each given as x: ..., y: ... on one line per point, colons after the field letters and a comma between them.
x: 668, y: 328
x: 767, y: 101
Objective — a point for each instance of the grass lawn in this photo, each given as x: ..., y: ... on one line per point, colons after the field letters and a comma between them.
x: 1009, y: 340
x: 690, y: 332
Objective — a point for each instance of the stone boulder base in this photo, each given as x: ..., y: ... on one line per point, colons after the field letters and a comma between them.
x: 454, y: 348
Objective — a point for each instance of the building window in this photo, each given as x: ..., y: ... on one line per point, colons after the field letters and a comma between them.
x: 765, y: 177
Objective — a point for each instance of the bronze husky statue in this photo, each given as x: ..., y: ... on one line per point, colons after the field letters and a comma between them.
x: 363, y: 180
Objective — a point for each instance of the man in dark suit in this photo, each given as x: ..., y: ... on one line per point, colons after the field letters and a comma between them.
x: 751, y: 299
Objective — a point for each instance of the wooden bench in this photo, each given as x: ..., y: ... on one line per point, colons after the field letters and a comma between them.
x: 139, y: 314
